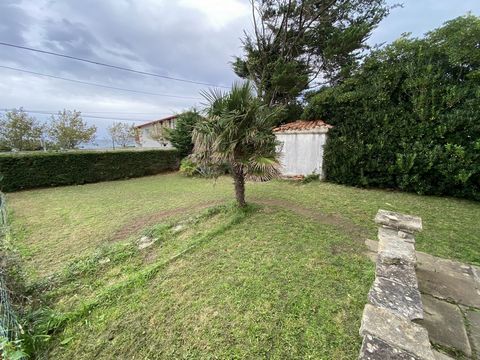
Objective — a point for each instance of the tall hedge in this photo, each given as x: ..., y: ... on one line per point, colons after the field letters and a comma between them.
x: 32, y: 170
x: 410, y: 116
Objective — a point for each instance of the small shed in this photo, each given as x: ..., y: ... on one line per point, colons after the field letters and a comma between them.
x: 301, y: 147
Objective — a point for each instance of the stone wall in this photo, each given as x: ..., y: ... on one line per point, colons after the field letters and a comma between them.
x: 394, y: 299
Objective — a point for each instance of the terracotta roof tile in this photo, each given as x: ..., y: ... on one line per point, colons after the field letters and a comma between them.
x: 300, y: 125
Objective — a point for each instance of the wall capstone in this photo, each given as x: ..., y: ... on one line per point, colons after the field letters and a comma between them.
x: 397, y: 221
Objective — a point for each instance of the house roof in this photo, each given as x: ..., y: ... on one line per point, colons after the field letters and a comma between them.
x: 159, y: 121
x: 302, y: 125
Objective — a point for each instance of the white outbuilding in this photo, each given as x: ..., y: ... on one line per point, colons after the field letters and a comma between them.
x: 301, y: 147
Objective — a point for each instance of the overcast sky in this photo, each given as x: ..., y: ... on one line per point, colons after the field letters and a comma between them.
x: 190, y: 39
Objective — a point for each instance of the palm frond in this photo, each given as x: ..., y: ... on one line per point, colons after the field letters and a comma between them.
x: 237, y: 130
x: 262, y: 168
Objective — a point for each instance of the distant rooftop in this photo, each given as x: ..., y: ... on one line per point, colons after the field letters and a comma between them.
x: 159, y: 121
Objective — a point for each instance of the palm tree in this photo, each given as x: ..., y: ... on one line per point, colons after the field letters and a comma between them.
x: 237, y: 132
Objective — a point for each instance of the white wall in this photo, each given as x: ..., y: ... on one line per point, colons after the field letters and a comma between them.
x: 147, y: 142
x: 301, y: 153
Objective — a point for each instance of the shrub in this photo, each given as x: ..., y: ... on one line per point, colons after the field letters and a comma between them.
x: 310, y: 178
x: 32, y: 170
x: 409, y: 117
x: 188, y: 167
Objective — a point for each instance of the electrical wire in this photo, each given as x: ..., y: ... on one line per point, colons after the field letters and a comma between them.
x: 156, y: 114
x: 99, y: 85
x: 110, y: 65
x: 82, y: 114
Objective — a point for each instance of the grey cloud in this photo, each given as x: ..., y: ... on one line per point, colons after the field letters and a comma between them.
x: 14, y: 21
x: 66, y: 36
x: 157, y: 36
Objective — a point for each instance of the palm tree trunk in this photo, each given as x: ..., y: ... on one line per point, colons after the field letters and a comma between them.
x: 239, y: 180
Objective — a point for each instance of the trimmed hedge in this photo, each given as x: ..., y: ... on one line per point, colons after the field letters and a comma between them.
x: 409, y: 118
x: 33, y: 170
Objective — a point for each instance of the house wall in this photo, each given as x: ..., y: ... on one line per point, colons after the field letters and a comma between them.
x: 301, y: 153
x: 146, y: 141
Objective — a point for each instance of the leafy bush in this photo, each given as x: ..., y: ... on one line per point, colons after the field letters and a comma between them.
x: 310, y: 178
x: 32, y: 170
x: 188, y: 167
x: 409, y: 117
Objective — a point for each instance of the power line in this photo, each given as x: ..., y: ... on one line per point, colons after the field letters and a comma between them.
x: 97, y: 112
x: 118, y: 112
x: 110, y: 65
x: 98, y: 85
x: 85, y: 116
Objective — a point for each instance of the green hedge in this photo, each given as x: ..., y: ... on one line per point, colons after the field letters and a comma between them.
x: 409, y: 118
x: 33, y: 170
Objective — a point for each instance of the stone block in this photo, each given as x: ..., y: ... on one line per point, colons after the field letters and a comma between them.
x: 473, y: 318
x: 445, y: 325
x: 392, y: 251
x: 403, y: 274
x: 374, y: 348
x: 449, y: 286
x: 403, y: 222
x: 476, y: 274
x: 372, y: 256
x: 452, y: 268
x: 396, y: 331
x: 372, y: 245
x: 388, y: 233
x: 400, y: 299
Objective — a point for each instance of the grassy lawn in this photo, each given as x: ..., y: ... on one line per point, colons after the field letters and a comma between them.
x: 285, y: 278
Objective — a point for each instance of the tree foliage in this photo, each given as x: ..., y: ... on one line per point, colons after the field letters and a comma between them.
x: 409, y: 118
x: 20, y: 132
x: 158, y: 132
x: 297, y: 42
x: 237, y: 131
x: 67, y: 129
x: 121, y: 134
x: 181, y: 135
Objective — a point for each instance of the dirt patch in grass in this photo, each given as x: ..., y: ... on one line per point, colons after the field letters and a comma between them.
x: 139, y: 223
x: 348, y: 227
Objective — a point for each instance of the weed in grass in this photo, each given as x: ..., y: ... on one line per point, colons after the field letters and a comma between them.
x: 309, y: 178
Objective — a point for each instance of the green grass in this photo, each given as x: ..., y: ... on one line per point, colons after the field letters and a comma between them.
x: 285, y: 278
